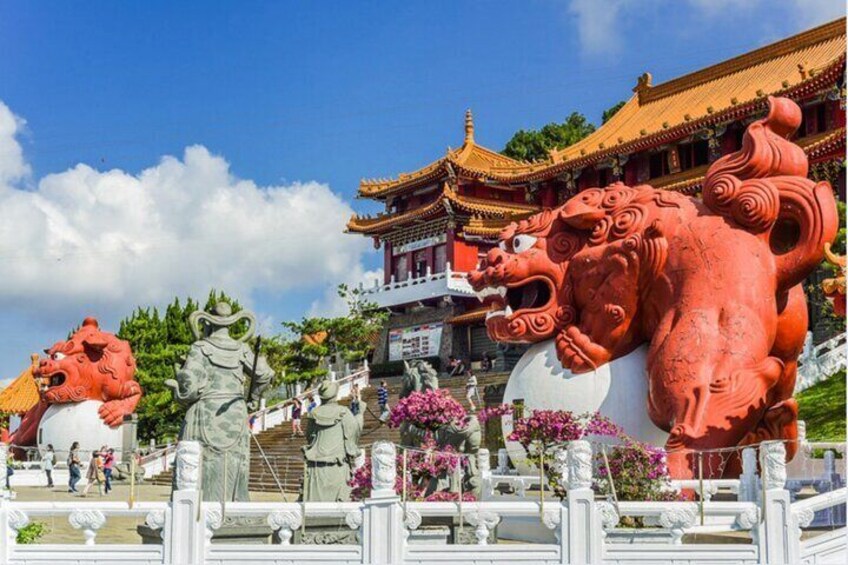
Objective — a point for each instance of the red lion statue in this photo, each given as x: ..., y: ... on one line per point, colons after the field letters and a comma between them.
x: 91, y: 365
x: 712, y: 285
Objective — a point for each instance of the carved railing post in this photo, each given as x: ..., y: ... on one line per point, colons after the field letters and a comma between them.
x: 584, y: 540
x: 776, y: 540
x: 749, y: 482
x: 503, y: 461
x: 285, y: 524
x: 485, y: 469
x: 89, y: 521
x: 185, y: 536
x: 483, y: 522
x: 382, y: 525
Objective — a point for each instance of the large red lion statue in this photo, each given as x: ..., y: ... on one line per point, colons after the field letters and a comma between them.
x: 91, y: 365
x: 712, y: 285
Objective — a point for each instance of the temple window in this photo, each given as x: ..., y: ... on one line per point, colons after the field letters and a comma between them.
x: 694, y: 154
x: 603, y: 176
x: 658, y: 164
x: 401, y: 268
x: 419, y: 260
x: 814, y: 120
x: 441, y: 258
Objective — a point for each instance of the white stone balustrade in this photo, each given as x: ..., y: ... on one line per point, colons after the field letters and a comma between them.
x: 580, y: 524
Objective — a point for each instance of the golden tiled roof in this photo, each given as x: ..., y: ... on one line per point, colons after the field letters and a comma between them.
x: 21, y: 394
x: 715, y: 93
x: 486, y: 227
x: 471, y: 159
x: 797, y: 66
x: 449, y: 199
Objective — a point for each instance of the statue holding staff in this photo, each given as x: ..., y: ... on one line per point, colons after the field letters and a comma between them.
x: 220, y: 379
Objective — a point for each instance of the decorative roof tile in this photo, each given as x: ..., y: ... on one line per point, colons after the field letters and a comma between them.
x: 22, y: 393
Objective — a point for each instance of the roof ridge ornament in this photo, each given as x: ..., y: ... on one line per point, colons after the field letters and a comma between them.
x: 643, y: 83
x: 469, y: 126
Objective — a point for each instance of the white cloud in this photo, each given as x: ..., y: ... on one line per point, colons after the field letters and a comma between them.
x: 596, y: 25
x: 599, y: 22
x: 331, y: 304
x: 815, y: 12
x: 110, y: 240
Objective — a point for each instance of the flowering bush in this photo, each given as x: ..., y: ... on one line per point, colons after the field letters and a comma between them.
x: 446, y: 496
x: 639, y: 472
x: 429, y: 410
x: 360, y: 482
x: 422, y: 467
x: 494, y: 412
x: 556, y: 427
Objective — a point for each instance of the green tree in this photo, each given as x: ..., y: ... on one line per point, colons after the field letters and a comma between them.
x: 534, y: 145
x: 611, y: 111
x: 307, y: 344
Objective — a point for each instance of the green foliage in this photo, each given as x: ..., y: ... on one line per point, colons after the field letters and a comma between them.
x: 611, y: 111
x: 159, y: 343
x: 346, y: 338
x: 822, y: 407
x: 839, y: 242
x: 534, y: 145
x: 31, y: 532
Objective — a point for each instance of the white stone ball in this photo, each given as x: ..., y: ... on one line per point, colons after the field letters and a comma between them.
x: 63, y: 424
x: 618, y: 390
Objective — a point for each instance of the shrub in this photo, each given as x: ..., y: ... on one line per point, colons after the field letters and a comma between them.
x: 31, y: 532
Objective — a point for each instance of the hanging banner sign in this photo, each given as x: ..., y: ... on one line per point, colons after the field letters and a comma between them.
x: 420, y: 244
x: 415, y: 341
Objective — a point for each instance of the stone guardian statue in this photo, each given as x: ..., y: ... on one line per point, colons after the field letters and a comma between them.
x: 220, y: 378
x: 332, y: 445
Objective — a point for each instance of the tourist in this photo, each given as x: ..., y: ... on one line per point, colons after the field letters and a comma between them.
x: 108, y: 465
x: 313, y: 404
x: 94, y: 474
x: 455, y: 367
x: 48, y: 461
x: 354, y: 399
x: 486, y: 362
x: 297, y: 408
x: 471, y: 390
x: 383, y: 400
x: 74, y: 474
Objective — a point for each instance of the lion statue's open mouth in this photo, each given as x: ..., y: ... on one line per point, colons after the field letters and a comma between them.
x: 515, y: 307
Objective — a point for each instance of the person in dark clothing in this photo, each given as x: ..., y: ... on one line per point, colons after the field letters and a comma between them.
x: 383, y: 400
x: 486, y: 363
x: 74, y: 467
x: 456, y: 368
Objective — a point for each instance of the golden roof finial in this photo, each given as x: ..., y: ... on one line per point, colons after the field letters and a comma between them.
x: 469, y: 126
x: 643, y: 82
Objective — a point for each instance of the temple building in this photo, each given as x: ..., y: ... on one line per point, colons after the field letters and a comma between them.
x: 441, y: 219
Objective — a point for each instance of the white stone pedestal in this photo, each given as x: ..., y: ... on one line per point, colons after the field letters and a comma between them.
x: 64, y: 424
x: 619, y: 390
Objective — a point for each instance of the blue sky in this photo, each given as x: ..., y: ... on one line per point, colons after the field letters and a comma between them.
x: 286, y: 106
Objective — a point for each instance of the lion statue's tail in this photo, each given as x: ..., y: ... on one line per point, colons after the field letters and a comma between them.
x: 764, y: 189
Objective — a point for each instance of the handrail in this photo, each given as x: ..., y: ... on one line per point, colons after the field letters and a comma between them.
x: 305, y: 394
x: 821, y: 501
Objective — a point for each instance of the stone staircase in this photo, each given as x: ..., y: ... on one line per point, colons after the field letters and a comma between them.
x: 284, y: 452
